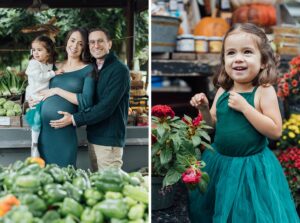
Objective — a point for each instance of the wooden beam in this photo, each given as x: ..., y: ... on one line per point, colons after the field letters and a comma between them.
x: 141, y: 5
x: 130, y: 17
x: 65, y: 3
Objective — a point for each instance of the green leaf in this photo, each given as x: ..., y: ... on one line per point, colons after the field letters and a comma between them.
x: 165, y: 156
x: 182, y: 160
x: 202, y: 186
x: 205, y: 177
x: 176, y: 141
x: 196, y: 140
x: 171, y: 178
x: 154, y: 149
x: 207, y: 145
x: 166, y: 125
x: 204, y: 135
x: 188, y: 119
x: 160, y: 130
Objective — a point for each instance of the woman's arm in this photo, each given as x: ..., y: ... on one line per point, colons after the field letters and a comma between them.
x: 85, y: 99
x: 69, y: 96
x: 268, y: 121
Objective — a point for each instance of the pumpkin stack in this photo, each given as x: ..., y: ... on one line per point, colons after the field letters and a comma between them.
x: 261, y: 13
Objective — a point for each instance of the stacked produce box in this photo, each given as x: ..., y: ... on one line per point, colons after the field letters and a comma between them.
x: 12, y: 87
x: 138, y: 111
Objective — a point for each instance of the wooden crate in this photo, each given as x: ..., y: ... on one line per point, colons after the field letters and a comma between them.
x: 13, y: 121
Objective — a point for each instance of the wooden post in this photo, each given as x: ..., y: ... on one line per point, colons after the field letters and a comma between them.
x: 130, y: 42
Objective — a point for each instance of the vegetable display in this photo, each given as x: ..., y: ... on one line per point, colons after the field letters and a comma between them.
x: 32, y: 192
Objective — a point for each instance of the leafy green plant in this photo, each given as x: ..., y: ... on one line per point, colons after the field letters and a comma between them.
x: 176, y: 147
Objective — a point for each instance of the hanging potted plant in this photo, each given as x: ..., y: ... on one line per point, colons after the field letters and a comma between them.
x: 176, y: 154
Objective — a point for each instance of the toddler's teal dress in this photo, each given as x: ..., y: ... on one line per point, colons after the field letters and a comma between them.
x: 247, y: 183
x: 33, y: 117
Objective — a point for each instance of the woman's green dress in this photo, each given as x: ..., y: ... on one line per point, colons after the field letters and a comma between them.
x: 247, y: 183
x: 60, y: 145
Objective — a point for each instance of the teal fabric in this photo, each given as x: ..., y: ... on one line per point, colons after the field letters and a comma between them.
x: 247, y: 183
x: 60, y: 145
x: 107, y: 119
x: 33, y: 117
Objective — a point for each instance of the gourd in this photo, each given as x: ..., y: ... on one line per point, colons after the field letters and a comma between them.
x: 211, y: 26
x: 259, y: 14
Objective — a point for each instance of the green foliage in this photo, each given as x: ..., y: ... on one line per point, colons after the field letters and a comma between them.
x: 176, y: 147
x: 113, y: 19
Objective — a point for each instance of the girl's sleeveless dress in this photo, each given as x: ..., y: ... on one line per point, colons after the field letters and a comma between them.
x: 247, y: 183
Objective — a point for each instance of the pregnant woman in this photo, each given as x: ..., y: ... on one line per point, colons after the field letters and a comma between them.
x: 71, y: 91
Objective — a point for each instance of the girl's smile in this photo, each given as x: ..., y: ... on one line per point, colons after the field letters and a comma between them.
x: 242, y: 57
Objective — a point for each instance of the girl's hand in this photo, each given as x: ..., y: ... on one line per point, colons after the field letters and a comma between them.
x: 199, y: 101
x: 237, y: 102
x: 48, y: 93
x: 59, y: 71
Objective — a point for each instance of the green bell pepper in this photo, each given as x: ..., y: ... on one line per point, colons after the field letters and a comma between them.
x: 113, y: 208
x: 58, y: 174
x: 71, y: 207
x: 92, y: 196
x: 36, y: 205
x: 31, y: 169
x: 136, y: 192
x: 45, y: 178
x: 73, y: 192
x: 113, y: 195
x: 91, y: 216
x: 50, y: 216
x: 136, y: 211
x: 54, y: 193
x: 115, y: 220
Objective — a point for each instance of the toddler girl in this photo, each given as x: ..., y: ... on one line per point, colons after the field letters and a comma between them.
x: 39, y: 72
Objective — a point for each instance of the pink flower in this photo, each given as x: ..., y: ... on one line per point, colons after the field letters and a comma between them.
x: 191, y: 176
x: 162, y: 111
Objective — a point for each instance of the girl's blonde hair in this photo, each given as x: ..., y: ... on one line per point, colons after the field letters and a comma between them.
x: 267, y: 75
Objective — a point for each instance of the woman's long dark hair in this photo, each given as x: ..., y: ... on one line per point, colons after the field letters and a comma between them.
x: 49, y: 46
x: 85, y: 55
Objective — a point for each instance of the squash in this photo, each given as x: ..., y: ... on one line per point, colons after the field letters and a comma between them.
x: 258, y: 14
x: 210, y: 26
x: 238, y: 3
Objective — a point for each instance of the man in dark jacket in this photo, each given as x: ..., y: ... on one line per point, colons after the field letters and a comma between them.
x: 106, y: 121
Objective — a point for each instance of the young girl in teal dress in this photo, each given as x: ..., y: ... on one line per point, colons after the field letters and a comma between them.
x: 247, y: 183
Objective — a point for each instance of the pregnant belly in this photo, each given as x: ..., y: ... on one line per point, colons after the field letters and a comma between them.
x: 54, y: 104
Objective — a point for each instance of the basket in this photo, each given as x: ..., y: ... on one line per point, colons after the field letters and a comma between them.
x: 163, y: 33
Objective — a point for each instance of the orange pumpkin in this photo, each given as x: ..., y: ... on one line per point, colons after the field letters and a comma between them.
x: 259, y: 14
x: 209, y: 26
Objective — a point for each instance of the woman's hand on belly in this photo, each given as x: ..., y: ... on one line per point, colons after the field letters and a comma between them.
x: 48, y: 93
x: 63, y: 122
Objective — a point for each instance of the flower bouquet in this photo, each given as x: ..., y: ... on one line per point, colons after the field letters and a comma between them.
x: 290, y: 161
x: 290, y: 133
x: 176, y: 147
